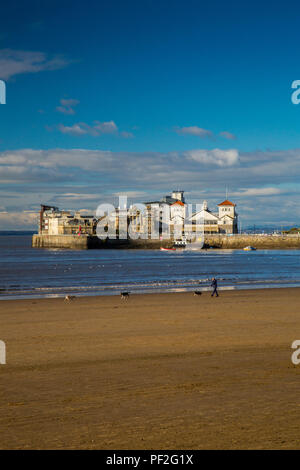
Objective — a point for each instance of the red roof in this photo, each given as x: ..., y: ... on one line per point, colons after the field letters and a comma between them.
x: 177, y: 202
x: 226, y: 203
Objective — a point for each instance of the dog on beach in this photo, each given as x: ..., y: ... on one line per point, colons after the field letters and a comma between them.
x: 68, y: 298
x: 125, y: 295
x: 197, y: 292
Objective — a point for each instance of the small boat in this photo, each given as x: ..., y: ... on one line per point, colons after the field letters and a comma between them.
x: 180, y: 243
x: 167, y: 249
x: 249, y: 248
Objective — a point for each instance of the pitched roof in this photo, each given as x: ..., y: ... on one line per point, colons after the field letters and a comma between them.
x: 226, y: 203
x: 226, y: 215
x: 195, y: 214
x: 177, y: 202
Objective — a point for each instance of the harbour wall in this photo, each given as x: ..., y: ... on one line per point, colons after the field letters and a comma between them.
x: 84, y: 242
x: 259, y: 241
x: 60, y: 241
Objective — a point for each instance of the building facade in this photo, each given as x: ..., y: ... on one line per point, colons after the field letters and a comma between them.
x: 58, y: 222
x: 167, y: 218
x: 225, y: 221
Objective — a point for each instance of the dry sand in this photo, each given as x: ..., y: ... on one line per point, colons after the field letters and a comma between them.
x: 165, y: 371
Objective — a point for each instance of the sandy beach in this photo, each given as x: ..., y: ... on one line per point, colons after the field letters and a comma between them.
x: 159, y: 371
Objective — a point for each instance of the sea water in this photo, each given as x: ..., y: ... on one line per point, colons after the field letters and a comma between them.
x: 34, y: 272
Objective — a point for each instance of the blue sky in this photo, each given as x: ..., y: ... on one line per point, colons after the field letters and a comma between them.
x: 142, y: 97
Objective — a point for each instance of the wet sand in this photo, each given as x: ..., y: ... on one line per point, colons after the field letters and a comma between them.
x: 165, y: 371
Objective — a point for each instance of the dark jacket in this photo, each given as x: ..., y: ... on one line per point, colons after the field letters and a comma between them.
x: 214, y: 283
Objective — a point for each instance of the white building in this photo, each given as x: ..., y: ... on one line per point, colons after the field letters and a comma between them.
x: 228, y: 217
x: 206, y: 221
x: 166, y: 218
x: 56, y: 222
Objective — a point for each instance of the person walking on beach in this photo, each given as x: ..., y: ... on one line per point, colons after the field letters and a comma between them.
x: 214, y: 284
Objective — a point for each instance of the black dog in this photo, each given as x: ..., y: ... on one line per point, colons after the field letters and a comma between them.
x: 197, y: 292
x: 125, y: 295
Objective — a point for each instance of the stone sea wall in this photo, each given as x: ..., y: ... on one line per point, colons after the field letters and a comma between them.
x: 60, y: 241
x: 277, y: 242
x: 85, y: 242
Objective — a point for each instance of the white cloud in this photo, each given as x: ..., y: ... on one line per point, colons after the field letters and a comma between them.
x: 77, y: 178
x: 76, y: 129
x: 126, y: 135
x: 200, y: 132
x: 214, y: 157
x: 98, y: 128
x: 194, y: 130
x: 20, y: 220
x: 67, y: 105
x: 76, y: 196
x: 105, y: 127
x: 15, y: 62
x: 130, y: 194
x: 227, y: 135
x: 12, y: 158
x: 258, y: 192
